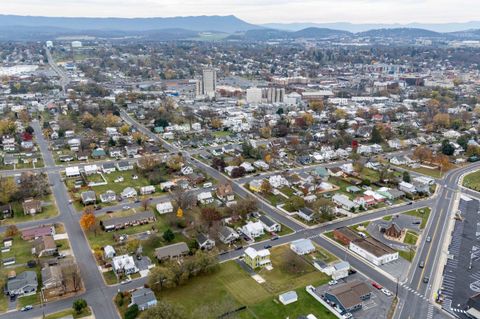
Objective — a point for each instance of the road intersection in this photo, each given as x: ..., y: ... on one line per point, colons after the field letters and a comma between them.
x: 415, y: 296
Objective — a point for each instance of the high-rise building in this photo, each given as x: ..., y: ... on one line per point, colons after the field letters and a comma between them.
x: 209, y: 82
x: 254, y: 95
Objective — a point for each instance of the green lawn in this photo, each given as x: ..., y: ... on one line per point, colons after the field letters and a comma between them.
x: 423, y: 213
x: 407, y: 255
x: 472, y: 181
x: 110, y: 277
x: 231, y: 287
x: 410, y: 238
x: 435, y: 173
x: 306, y: 304
x: 28, y: 300
x: 387, y: 218
x: 69, y: 312
x: 63, y: 244
x: 370, y: 174
x: 358, y: 227
x: 275, y: 199
x: 324, y: 255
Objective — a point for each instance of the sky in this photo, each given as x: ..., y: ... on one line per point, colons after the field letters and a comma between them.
x: 260, y: 11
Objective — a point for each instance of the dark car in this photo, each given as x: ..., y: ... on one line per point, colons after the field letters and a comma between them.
x: 426, y: 279
x: 267, y: 246
x: 239, y: 247
x: 275, y: 238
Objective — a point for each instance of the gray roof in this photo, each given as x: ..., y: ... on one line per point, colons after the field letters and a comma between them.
x: 143, y: 296
x: 26, y: 278
x: 88, y: 195
x: 267, y: 221
x: 173, y: 250
x: 226, y: 231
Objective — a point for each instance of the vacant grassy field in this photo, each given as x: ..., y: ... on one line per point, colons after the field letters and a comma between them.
x: 472, y: 181
x: 423, y: 213
x: 231, y: 287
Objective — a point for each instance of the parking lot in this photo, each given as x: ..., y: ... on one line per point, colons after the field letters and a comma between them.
x: 461, y: 274
x: 374, y: 308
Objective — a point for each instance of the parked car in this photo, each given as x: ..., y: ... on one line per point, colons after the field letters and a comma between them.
x: 27, y: 308
x: 332, y: 282
x: 426, y: 279
x: 376, y: 285
x: 275, y: 238
x: 267, y: 246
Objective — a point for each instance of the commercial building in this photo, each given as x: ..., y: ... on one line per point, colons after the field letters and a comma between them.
x: 374, y: 251
x: 349, y: 297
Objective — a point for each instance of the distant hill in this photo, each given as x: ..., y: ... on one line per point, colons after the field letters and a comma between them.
x: 319, y: 33
x: 401, y: 33
x: 228, y: 24
x: 352, y: 27
x: 272, y: 34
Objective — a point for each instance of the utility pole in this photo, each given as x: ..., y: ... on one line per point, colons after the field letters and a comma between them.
x: 396, y: 289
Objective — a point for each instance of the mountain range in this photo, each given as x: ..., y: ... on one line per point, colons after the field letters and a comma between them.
x: 14, y: 27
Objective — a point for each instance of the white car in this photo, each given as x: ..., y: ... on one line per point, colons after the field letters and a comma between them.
x: 332, y: 282
x: 386, y: 292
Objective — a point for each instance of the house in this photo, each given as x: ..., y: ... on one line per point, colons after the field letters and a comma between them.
x: 205, y: 198
x: 335, y: 171
x: 177, y: 250
x: 256, y: 185
x: 204, y: 242
x: 253, y: 229
x: 23, y: 284
x: 225, y: 192
x: 52, y: 277
x: 136, y: 219
x: 407, y: 187
x: 144, y: 298
x: 302, y: 246
x: 337, y: 270
x: 108, y: 197
x: 123, y: 166
x: 344, y: 202
x: 90, y: 169
x: 248, y: 167
x: 32, y: 206
x: 44, y: 246
x: 164, y: 207
x: 261, y: 165
x: 109, y: 252
x: 72, y: 171
x: 257, y: 259
x: 365, y: 201
x: 373, y: 250
x: 6, y: 211
x: 10, y: 159
x: 98, y: 153
x: 400, y: 160
x: 129, y: 192
x: 278, y: 181
x: 322, y: 173
x: 108, y: 168
x: 124, y: 264
x: 347, y: 168
x: 288, y: 297
x: 227, y: 235
x: 349, y: 297
x: 269, y: 225
x: 306, y: 214
x: 33, y: 233
x: 88, y: 197
x: 147, y: 190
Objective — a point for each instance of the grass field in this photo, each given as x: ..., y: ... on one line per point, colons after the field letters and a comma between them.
x: 423, y: 213
x: 221, y: 133
x: 410, y: 238
x: 231, y: 287
x: 472, y: 181
x: 407, y: 255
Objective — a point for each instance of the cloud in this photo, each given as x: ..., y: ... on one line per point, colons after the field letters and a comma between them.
x: 260, y: 11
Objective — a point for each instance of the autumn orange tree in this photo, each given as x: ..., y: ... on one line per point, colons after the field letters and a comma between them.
x: 88, y: 221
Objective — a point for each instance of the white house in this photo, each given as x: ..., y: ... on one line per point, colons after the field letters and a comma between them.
x: 90, y: 169
x: 407, y: 187
x: 72, y: 171
x: 186, y: 170
x: 164, y: 207
x: 248, y: 167
x: 253, y: 229
x: 109, y: 252
x: 124, y: 264
x: 278, y: 181
x: 338, y: 270
x: 147, y: 190
x: 129, y: 192
x: 344, y: 202
x: 302, y: 246
x: 269, y: 225
x: 205, y: 198
x: 288, y: 297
